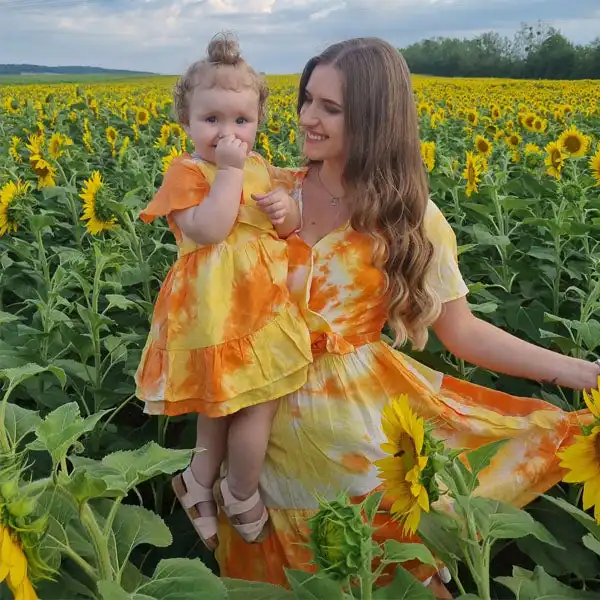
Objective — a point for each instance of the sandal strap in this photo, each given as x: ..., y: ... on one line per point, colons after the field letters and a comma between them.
x: 207, y: 527
x: 250, y: 531
x: 195, y: 492
x: 233, y: 506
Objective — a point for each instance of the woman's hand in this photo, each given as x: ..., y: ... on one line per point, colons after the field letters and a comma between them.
x: 583, y: 376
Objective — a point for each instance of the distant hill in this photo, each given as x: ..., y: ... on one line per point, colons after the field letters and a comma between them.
x: 66, y: 70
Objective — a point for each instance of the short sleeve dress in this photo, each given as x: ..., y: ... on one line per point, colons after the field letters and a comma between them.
x: 327, y: 434
x: 225, y: 332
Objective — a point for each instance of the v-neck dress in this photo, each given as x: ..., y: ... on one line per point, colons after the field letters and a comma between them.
x: 327, y: 434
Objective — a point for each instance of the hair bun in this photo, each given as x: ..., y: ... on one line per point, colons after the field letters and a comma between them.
x: 223, y: 49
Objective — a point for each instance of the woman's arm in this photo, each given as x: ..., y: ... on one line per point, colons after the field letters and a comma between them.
x: 485, y: 345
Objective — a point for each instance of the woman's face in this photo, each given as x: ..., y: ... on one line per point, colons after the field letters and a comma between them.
x: 322, y: 115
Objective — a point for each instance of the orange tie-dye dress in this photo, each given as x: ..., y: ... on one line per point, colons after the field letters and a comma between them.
x: 225, y: 333
x: 327, y: 434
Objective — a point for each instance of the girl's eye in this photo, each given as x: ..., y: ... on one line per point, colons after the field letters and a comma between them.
x: 211, y: 119
x: 240, y: 120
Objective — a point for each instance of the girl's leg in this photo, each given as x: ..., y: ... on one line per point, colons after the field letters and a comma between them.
x: 247, y: 442
x: 211, y: 439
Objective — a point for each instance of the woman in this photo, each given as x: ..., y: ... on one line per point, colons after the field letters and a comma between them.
x: 374, y: 248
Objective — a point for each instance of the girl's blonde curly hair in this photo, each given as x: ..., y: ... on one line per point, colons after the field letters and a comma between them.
x: 222, y: 67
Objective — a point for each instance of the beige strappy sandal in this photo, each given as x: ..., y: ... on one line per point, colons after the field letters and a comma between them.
x: 252, y: 533
x: 190, y: 493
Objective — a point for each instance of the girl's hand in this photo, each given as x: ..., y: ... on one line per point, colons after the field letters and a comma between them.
x: 276, y: 204
x: 231, y: 153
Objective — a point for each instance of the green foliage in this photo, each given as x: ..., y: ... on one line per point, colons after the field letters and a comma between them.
x: 535, y: 52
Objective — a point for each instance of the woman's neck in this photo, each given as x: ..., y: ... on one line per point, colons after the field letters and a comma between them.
x: 330, y: 177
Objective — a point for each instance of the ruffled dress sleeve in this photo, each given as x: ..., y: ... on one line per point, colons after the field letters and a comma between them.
x: 184, y: 186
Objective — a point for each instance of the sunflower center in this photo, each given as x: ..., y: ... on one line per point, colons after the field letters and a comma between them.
x: 555, y: 158
x: 573, y: 144
x: 101, y: 210
x: 406, y: 452
x: 42, y: 170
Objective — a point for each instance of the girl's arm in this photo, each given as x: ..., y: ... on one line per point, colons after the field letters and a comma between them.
x: 485, y: 345
x: 211, y: 222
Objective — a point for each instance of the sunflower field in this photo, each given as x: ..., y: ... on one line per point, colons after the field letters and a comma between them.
x: 86, y: 508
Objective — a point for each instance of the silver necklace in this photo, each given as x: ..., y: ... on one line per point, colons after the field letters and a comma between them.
x: 333, y: 200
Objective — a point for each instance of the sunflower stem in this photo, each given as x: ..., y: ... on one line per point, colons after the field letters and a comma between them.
x: 98, y: 542
x: 5, y: 444
x: 72, y: 208
x: 366, y: 576
x: 476, y: 556
x: 484, y: 572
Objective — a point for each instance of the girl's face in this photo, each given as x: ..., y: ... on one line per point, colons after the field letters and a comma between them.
x: 322, y: 115
x: 216, y: 112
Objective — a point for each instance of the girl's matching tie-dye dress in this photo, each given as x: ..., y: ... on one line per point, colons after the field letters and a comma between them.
x: 327, y: 433
x: 225, y: 333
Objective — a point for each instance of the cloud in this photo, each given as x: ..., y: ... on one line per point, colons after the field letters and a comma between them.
x: 277, y: 36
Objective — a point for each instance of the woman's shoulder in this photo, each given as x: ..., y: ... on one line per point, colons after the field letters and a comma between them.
x: 436, y: 225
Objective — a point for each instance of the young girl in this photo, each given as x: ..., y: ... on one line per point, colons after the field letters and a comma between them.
x: 226, y: 340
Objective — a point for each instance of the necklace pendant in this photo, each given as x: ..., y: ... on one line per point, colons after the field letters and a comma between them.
x: 334, y: 201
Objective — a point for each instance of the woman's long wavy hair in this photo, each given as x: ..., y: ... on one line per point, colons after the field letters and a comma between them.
x: 385, y: 173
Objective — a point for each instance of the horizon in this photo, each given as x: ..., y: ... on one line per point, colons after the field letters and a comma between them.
x: 276, y: 36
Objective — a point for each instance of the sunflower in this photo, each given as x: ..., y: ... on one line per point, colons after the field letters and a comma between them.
x: 428, y: 154
x: 44, y: 171
x: 437, y: 119
x: 424, y: 108
x: 573, y: 142
x: 472, y: 116
x: 582, y: 458
x: 533, y: 156
x: 142, y: 116
x: 274, y: 127
x: 123, y: 149
x: 514, y: 140
x: 555, y: 159
x: 402, y: 471
x: 20, y: 533
x: 528, y: 120
x: 168, y: 159
x: 111, y: 135
x: 13, y: 151
x: 540, y: 125
x: 476, y: 165
x: 176, y: 130
x: 10, y: 195
x: 13, y: 567
x: 98, y: 216
x: 595, y: 166
x: 36, y: 143
x: 57, y: 143
x: 483, y: 145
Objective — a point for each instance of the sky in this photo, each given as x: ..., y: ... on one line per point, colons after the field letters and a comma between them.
x: 276, y: 36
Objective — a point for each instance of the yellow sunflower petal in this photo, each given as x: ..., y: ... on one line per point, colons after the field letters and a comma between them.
x: 593, y: 403
x: 591, y: 492
x: 18, y: 568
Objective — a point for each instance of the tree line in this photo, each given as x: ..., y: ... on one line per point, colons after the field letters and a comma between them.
x: 535, y: 52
